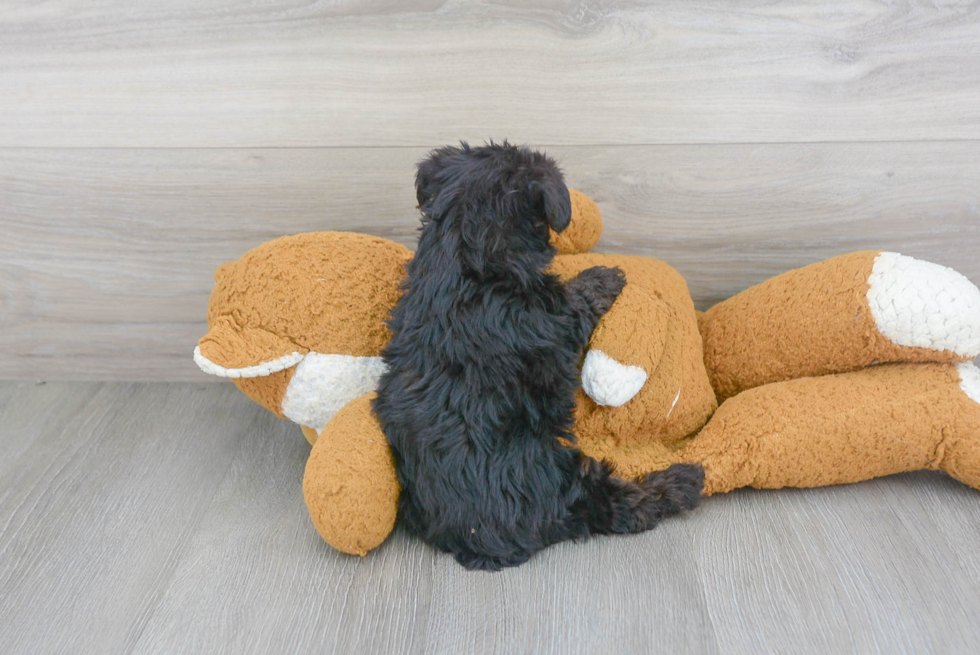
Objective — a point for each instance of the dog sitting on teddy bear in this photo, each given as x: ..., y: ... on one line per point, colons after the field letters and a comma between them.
x: 844, y: 370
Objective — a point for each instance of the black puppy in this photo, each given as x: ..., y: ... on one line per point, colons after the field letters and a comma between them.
x: 483, y: 368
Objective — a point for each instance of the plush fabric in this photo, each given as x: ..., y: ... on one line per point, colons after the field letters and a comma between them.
x: 840, y: 371
x: 350, y: 485
x: 610, y: 383
x: 819, y: 319
x: 323, y: 384
x: 831, y: 429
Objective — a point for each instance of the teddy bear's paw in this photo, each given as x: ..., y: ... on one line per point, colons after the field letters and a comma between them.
x: 323, y: 384
x: 609, y: 382
x: 970, y: 380
x: 921, y: 304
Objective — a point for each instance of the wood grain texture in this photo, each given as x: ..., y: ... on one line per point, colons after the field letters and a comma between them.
x: 215, y: 73
x: 165, y: 518
x: 108, y: 254
x: 96, y: 502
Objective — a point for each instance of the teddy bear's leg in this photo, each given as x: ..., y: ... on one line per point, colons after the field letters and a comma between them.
x: 350, y: 485
x: 835, y: 429
x: 840, y: 315
x: 961, y: 458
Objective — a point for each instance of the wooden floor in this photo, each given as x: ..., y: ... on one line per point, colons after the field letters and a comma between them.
x: 168, y: 517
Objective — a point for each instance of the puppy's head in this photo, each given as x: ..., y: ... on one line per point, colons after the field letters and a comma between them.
x: 492, y: 206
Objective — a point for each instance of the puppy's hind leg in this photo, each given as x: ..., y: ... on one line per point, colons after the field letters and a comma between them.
x: 612, y: 505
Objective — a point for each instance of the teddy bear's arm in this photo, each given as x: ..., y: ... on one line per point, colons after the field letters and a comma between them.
x: 835, y: 429
x: 350, y: 484
x: 643, y: 375
x: 840, y: 315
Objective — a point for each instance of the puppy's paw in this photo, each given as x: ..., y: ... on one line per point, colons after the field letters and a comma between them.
x: 676, y: 489
x: 482, y: 562
x: 599, y: 286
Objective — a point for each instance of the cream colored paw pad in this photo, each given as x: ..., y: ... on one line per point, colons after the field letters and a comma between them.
x: 608, y: 382
x: 970, y: 380
x: 925, y: 305
x: 323, y: 384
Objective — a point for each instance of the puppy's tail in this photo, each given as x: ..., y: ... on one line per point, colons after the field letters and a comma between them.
x: 613, y: 505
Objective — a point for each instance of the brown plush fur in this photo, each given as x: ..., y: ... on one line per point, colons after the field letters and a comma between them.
x: 770, y: 332
x: 840, y: 427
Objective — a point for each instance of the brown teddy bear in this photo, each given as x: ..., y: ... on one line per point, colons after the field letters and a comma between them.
x: 844, y: 370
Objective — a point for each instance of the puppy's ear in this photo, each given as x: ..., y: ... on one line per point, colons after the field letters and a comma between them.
x: 426, y: 184
x: 550, y: 197
x: 428, y: 180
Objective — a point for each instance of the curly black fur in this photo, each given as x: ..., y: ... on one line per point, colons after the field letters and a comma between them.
x: 483, y: 369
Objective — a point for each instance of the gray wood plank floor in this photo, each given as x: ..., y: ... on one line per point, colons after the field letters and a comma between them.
x: 168, y: 518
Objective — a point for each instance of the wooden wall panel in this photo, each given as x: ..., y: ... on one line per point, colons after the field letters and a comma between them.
x: 107, y: 255
x: 214, y: 73
x: 143, y: 144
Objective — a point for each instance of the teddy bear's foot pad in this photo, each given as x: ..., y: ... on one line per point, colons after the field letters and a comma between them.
x: 920, y: 304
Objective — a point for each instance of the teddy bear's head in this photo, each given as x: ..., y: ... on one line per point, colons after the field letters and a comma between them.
x: 298, y: 323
